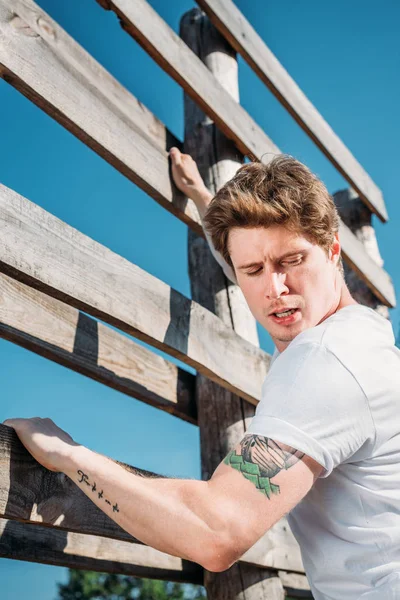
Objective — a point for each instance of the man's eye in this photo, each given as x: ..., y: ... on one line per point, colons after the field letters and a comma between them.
x: 251, y: 273
x: 293, y: 262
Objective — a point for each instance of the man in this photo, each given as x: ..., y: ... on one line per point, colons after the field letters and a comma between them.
x: 324, y: 444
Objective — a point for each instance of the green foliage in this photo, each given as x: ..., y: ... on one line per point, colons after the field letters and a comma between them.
x: 89, y: 585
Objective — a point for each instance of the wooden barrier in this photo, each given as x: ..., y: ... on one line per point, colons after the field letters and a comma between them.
x: 51, y: 69
x: 42, y: 251
x: 52, y: 275
x: 73, y: 339
x: 225, y: 15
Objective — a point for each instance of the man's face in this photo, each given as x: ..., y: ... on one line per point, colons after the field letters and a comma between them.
x: 280, y: 271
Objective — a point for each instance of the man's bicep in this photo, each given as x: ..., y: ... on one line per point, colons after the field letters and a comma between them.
x: 262, y: 480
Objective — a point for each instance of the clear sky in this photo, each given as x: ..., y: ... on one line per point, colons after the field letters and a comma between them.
x: 346, y: 58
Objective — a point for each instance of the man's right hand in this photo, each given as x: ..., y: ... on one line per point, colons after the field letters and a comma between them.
x: 188, y: 179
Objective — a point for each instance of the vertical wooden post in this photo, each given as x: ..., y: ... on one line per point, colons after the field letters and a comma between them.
x: 358, y: 217
x: 222, y: 416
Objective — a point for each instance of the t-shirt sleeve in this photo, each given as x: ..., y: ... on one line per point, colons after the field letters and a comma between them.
x: 313, y: 403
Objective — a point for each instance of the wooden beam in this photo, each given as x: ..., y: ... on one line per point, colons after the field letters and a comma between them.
x: 33, y: 494
x: 355, y: 255
x: 45, y: 64
x: 146, y: 26
x: 73, y: 339
x: 53, y: 546
x: 40, y: 250
x: 296, y: 585
x: 48, y: 545
x: 234, y: 26
x: 223, y: 417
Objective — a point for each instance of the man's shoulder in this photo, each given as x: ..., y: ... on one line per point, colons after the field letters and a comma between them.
x: 351, y: 327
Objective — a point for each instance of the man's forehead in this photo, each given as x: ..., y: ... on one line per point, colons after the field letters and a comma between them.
x: 272, y: 243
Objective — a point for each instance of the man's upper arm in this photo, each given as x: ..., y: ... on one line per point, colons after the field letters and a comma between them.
x: 259, y: 482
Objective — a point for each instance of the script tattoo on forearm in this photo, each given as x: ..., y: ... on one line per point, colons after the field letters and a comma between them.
x: 260, y: 459
x: 84, y: 478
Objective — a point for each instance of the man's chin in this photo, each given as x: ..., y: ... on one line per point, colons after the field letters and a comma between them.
x: 287, y: 334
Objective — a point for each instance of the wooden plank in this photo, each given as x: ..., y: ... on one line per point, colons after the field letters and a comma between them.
x: 45, y: 64
x: 40, y: 250
x: 359, y: 233
x: 357, y: 258
x: 31, y: 494
x: 144, y: 24
x: 52, y: 70
x: 234, y: 26
x: 75, y: 340
x: 48, y: 545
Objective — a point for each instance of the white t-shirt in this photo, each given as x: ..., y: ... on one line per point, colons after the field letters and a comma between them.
x: 334, y: 394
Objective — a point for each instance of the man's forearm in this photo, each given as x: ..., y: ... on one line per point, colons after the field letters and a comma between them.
x: 202, y: 199
x: 178, y: 517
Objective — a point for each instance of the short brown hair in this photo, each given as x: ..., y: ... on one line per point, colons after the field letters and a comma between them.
x: 282, y: 192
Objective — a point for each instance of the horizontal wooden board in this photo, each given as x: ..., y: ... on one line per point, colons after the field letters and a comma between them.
x: 32, y: 494
x: 40, y: 250
x: 52, y: 70
x: 233, y: 25
x: 71, y: 338
x: 355, y: 255
x: 49, y: 545
x: 146, y: 26
x: 44, y: 63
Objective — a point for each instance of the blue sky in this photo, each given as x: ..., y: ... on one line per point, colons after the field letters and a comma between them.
x: 346, y: 58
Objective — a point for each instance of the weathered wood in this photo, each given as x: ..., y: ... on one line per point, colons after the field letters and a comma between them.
x: 35, y: 543
x: 40, y: 250
x: 233, y: 25
x: 50, y: 545
x: 146, y: 26
x: 221, y: 415
x: 357, y: 225
x: 296, y: 585
x: 358, y: 261
x: 73, y: 339
x: 45, y: 64
x: 33, y: 495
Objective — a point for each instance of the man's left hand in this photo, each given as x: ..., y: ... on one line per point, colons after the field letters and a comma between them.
x: 48, y: 444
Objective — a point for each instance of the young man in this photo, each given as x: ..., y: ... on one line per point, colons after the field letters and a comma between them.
x: 324, y: 444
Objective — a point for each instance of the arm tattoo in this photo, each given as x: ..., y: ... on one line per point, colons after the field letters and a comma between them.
x: 260, y: 459
x: 84, y: 478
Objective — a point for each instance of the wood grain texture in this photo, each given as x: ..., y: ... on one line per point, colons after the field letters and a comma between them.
x: 40, y: 250
x: 223, y: 416
x: 144, y: 24
x: 58, y: 75
x: 32, y: 494
x: 45, y: 64
x: 73, y: 339
x: 357, y: 227
x: 296, y: 585
x: 48, y: 545
x: 243, y: 37
x: 355, y: 255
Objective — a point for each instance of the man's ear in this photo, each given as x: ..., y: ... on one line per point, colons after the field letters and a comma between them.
x: 335, y: 250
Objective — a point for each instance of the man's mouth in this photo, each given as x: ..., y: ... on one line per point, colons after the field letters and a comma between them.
x: 285, y: 313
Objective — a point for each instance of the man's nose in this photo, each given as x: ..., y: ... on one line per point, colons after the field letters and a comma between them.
x: 276, y: 285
